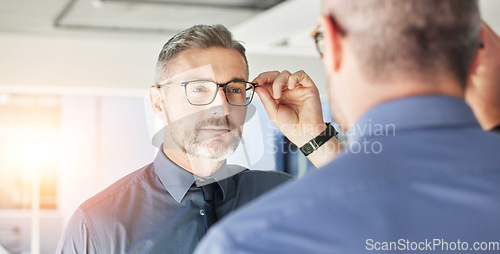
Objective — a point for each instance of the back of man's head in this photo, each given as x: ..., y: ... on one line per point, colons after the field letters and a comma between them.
x: 416, y: 37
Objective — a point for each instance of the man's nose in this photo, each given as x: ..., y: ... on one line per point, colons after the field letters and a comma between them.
x: 221, y: 104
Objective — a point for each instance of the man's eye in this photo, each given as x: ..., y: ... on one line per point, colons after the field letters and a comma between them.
x: 234, y: 90
x: 199, y: 89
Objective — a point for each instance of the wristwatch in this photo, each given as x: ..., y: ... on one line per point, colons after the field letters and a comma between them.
x: 319, y: 140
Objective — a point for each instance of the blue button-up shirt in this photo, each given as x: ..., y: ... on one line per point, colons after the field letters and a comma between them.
x: 159, y: 209
x: 419, y: 175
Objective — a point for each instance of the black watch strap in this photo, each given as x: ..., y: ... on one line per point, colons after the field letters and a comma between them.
x: 318, y: 141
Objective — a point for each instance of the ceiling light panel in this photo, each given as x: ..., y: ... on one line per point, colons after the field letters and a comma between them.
x: 155, y: 15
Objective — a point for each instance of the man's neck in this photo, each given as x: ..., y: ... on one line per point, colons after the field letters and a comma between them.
x: 201, y: 167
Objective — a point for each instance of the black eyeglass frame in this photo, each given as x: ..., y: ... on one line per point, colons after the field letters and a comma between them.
x: 318, y: 35
x: 219, y: 85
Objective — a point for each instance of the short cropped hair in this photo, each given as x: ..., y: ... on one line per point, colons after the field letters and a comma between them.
x: 196, y: 37
x: 389, y: 37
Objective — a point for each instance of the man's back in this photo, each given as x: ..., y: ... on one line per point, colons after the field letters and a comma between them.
x: 433, y: 185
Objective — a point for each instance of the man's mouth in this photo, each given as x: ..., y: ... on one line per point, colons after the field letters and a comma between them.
x: 216, y: 128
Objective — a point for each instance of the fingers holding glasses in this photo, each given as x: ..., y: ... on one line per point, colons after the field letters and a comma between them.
x: 278, y: 82
x: 272, y: 81
x: 292, y: 102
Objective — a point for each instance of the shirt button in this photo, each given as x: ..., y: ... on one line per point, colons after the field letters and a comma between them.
x: 202, y: 212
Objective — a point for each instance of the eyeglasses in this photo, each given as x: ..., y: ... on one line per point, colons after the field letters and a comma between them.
x: 203, y: 92
x: 317, y: 35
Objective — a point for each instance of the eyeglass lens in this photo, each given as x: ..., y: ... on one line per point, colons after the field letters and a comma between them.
x: 317, y: 35
x: 319, y: 43
x: 204, y: 92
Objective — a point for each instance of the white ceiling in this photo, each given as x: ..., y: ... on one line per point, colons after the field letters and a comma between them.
x: 284, y: 24
x: 251, y: 19
x: 131, y: 17
x: 288, y: 23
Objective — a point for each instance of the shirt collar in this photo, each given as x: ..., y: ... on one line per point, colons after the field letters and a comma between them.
x: 177, y: 180
x: 388, y: 118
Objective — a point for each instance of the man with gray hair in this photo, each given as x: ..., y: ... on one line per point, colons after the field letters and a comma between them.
x: 201, y: 93
x: 433, y: 185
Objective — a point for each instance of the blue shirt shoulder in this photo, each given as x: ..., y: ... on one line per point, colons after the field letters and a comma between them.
x: 437, y: 179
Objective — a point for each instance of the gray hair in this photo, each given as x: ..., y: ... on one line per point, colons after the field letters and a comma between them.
x: 390, y: 37
x: 197, y: 37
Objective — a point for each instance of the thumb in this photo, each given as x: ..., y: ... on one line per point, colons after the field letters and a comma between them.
x: 268, y: 101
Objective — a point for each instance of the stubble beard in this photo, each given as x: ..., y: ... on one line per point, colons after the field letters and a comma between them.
x: 215, y: 148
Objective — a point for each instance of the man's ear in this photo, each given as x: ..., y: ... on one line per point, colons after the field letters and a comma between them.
x: 157, y: 102
x: 477, y: 58
x: 332, y: 56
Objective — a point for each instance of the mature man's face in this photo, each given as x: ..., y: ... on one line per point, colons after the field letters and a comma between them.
x: 211, y: 131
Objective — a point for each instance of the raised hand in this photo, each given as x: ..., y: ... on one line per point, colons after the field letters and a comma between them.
x: 293, y: 104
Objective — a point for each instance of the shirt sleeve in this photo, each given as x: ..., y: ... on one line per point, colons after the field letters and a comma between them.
x: 77, y: 237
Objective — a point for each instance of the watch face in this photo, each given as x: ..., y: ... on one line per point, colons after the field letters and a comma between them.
x: 307, y: 149
x: 322, y: 138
